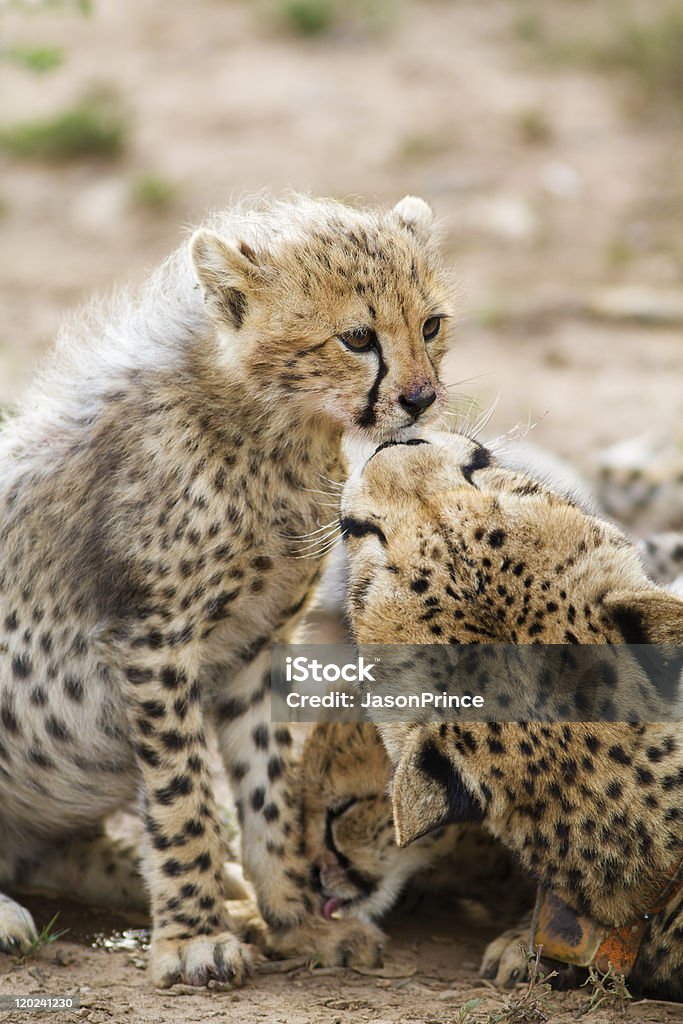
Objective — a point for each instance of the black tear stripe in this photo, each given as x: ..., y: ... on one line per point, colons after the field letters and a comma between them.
x: 480, y: 460
x: 462, y: 805
x: 368, y: 417
x: 360, y: 528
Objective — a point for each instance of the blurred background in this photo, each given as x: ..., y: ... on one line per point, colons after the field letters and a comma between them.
x: 547, y: 134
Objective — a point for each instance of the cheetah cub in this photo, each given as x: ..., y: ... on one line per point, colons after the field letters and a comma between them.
x: 154, y: 492
x: 448, y: 546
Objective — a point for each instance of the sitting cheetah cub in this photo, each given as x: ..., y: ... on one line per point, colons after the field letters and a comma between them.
x: 154, y: 493
x: 446, y: 545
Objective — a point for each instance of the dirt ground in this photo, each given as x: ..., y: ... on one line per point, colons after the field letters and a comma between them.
x: 560, y: 197
x: 429, y: 977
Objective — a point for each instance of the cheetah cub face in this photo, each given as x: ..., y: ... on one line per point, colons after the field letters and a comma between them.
x: 349, y: 828
x: 492, y: 554
x: 346, y: 309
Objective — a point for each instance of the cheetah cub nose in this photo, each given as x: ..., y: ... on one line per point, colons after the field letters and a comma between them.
x: 416, y: 401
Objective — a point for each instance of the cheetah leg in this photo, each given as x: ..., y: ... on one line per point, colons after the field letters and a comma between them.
x: 191, y: 937
x: 100, y: 870
x: 257, y: 757
x: 93, y: 869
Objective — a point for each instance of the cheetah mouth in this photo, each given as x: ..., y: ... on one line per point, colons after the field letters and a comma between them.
x: 334, y: 908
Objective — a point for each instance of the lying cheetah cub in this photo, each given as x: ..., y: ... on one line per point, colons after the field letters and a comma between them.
x: 154, y: 493
x: 350, y: 833
x: 447, y: 546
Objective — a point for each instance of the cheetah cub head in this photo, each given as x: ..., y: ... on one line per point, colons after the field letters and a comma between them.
x: 349, y: 829
x: 346, y: 308
x: 448, y: 545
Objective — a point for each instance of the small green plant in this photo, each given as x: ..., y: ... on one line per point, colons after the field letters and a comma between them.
x: 609, y: 991
x: 153, y: 192
x: 423, y: 146
x: 528, y: 27
x: 462, y: 1015
x: 36, y: 58
x: 92, y: 127
x: 308, y: 17
x: 228, y: 821
x: 532, y: 1005
x: 84, y: 7
x: 534, y: 127
x: 46, y: 936
x: 647, y: 50
x: 321, y: 17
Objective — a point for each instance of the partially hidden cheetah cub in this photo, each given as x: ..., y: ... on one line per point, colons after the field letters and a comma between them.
x: 154, y: 492
x: 350, y: 833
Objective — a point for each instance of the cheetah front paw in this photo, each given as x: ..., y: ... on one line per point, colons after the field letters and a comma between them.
x: 344, y: 943
x: 246, y: 921
x: 17, y: 929
x: 505, y: 959
x: 198, y: 960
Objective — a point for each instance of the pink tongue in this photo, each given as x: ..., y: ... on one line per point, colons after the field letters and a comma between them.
x: 330, y: 907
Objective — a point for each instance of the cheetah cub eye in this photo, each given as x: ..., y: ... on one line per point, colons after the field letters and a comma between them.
x: 360, y: 340
x: 431, y: 327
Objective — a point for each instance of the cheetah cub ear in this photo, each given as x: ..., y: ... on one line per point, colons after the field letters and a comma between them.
x: 228, y: 272
x: 647, y: 617
x: 416, y: 215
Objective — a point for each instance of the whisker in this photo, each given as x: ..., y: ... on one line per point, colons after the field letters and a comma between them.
x: 312, y: 533
x: 318, y: 541
x: 464, y: 426
x: 469, y: 380
x: 312, y: 490
x: 323, y: 551
x: 334, y: 483
x: 485, y: 419
x: 501, y: 444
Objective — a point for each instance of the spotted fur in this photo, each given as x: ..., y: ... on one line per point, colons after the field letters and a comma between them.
x: 350, y: 838
x: 474, y: 553
x: 348, y: 823
x: 160, y: 516
x: 639, y: 481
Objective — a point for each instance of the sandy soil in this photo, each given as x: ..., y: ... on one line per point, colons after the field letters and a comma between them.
x: 221, y: 100
x: 429, y: 976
